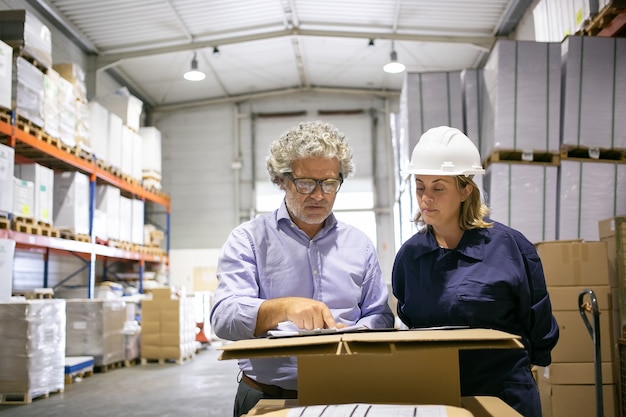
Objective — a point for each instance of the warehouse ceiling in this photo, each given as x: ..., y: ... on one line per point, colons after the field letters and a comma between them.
x: 251, y: 48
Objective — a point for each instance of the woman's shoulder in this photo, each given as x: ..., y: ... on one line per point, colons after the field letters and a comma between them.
x: 500, y: 231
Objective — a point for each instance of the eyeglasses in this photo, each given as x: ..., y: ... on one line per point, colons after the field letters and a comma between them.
x: 307, y: 185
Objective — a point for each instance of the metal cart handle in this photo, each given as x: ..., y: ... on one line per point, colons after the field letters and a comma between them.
x: 594, y: 332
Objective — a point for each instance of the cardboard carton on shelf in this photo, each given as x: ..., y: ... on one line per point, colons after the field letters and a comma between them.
x: 373, y: 366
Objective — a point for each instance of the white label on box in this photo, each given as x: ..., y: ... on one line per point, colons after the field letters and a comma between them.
x: 369, y: 410
x: 79, y: 325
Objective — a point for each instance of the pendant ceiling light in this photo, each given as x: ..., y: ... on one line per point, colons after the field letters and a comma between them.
x: 393, y: 66
x: 194, y: 74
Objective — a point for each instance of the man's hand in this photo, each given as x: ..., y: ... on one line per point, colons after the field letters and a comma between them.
x: 305, y: 313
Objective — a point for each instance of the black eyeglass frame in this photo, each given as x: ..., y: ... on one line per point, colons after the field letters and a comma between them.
x: 322, y: 183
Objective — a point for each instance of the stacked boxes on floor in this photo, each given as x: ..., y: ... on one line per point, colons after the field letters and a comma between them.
x: 96, y: 328
x: 567, y: 386
x: 33, y: 341
x: 168, y: 327
x: 613, y: 233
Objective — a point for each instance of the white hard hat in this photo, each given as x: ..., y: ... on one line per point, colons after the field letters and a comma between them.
x: 444, y: 150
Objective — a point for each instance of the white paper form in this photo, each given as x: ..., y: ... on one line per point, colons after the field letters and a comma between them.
x: 369, y: 410
x: 287, y: 328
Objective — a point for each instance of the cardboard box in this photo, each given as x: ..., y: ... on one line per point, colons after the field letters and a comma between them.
x: 575, y: 400
x: 373, y: 366
x: 577, y: 373
x: 472, y: 407
x: 566, y: 298
x: 575, y: 343
x: 574, y: 262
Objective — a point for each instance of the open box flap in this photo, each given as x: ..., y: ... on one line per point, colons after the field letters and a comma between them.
x: 336, y: 344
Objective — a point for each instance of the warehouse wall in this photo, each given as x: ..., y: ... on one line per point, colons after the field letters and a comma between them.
x: 209, y: 197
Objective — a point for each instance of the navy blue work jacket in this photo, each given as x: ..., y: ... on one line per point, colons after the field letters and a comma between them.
x: 493, y: 279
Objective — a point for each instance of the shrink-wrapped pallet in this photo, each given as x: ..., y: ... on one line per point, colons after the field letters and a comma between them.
x: 523, y: 196
x: 594, y: 95
x: 521, y: 97
x: 589, y: 192
x: 28, y: 90
x: 33, y: 340
x: 27, y: 35
x: 95, y: 327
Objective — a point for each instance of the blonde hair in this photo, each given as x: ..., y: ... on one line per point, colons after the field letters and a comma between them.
x: 473, y: 209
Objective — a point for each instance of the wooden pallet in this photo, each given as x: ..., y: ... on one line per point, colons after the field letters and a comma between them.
x: 592, y: 154
x: 29, y: 127
x: 108, y: 367
x: 514, y: 155
x: 5, y: 115
x: 24, y: 397
x: 163, y: 361
x: 68, y: 234
x: 604, y: 18
x: 78, y: 375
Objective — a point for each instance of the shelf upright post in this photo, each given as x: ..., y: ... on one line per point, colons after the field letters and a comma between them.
x: 92, y: 263
x: 46, y: 257
x: 142, y: 267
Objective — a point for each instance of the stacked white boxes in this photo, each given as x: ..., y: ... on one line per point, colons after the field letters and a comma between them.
x: 114, y: 138
x: 594, y: 76
x: 524, y: 196
x: 471, y: 85
x: 23, y: 198
x: 430, y: 100
x: 555, y: 19
x: 151, y: 160
x: 7, y: 251
x: 99, y: 130
x: 521, y: 101
x: 126, y: 219
x: 67, y: 112
x: 127, y: 107
x: 108, y: 202
x: 7, y: 158
x: 32, y: 348
x: 51, y: 115
x: 43, y: 187
x: 6, y: 75
x: 27, y: 91
x: 137, y: 221
x: 71, y: 202
x: 128, y: 139
x: 589, y: 191
x: 25, y: 33
x: 137, y: 161
x: 95, y: 327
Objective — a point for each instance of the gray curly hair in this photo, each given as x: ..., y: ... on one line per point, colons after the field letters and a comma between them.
x: 309, y: 139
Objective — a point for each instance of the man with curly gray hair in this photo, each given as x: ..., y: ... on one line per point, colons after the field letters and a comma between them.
x: 297, y: 264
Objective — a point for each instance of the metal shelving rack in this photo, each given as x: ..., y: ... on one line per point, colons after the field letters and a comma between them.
x: 37, y: 148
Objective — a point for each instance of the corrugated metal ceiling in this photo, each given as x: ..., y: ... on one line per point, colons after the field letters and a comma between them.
x: 270, y: 46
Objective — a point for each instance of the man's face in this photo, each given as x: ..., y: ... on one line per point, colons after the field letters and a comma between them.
x: 308, y: 211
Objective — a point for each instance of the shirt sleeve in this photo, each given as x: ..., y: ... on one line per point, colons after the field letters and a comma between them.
x: 237, y: 302
x: 375, y: 310
x: 543, y: 330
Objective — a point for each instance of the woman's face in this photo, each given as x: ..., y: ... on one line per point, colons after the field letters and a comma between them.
x: 439, y: 199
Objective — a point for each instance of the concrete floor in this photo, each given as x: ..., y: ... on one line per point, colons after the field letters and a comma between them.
x: 200, y: 387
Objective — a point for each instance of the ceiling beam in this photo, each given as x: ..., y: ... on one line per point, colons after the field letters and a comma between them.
x: 107, y: 60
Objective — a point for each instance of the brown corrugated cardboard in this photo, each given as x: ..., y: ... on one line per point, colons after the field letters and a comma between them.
x: 566, y: 298
x: 574, y: 263
x: 575, y: 400
x: 575, y: 343
x: 472, y: 407
x: 373, y: 366
x: 577, y: 373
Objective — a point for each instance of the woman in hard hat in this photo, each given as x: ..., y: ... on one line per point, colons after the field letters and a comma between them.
x: 463, y: 269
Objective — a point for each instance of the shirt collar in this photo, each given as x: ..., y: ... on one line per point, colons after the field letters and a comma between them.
x: 472, y: 244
